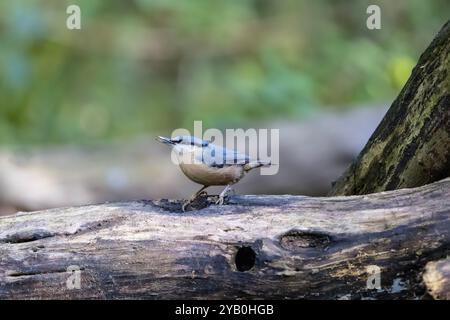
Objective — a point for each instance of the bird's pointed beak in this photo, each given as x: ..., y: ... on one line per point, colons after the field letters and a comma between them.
x: 164, y: 140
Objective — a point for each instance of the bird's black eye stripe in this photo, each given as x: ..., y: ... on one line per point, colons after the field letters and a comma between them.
x: 176, y: 140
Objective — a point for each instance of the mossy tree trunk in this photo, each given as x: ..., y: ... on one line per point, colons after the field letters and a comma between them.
x: 411, y: 146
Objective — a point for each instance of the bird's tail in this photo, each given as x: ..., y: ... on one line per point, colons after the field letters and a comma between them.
x: 256, y: 164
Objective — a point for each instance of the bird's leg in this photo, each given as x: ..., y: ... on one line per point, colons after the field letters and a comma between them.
x: 223, y: 194
x: 193, y: 197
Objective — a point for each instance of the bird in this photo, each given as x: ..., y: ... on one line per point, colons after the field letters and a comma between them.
x: 210, y: 165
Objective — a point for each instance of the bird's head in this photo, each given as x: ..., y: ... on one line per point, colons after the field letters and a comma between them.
x: 187, y: 148
x: 183, y: 141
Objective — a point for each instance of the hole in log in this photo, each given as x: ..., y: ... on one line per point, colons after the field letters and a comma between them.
x: 245, y: 258
x: 295, y: 240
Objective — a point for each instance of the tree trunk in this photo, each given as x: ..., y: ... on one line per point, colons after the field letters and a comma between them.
x: 410, y: 147
x: 254, y: 247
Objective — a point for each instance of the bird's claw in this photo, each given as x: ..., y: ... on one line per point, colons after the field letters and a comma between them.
x: 220, y: 201
x: 192, y: 199
x: 185, y: 205
x: 223, y: 195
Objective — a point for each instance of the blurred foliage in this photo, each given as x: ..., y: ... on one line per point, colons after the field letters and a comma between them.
x: 148, y: 66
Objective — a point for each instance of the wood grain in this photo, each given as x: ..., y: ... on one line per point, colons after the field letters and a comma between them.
x: 254, y: 247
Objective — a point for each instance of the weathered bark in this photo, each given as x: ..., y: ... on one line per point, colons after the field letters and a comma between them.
x: 437, y: 279
x: 410, y: 147
x: 254, y: 247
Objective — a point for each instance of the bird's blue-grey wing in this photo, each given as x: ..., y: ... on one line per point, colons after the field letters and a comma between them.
x: 215, y: 156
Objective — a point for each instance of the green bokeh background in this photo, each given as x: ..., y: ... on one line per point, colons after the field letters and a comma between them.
x: 149, y: 66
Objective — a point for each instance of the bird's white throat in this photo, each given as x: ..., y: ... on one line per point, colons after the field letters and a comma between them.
x: 188, y: 154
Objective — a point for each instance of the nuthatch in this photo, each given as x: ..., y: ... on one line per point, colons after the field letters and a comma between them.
x: 210, y: 165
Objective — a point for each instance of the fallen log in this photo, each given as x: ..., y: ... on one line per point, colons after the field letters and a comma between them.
x: 285, y: 247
